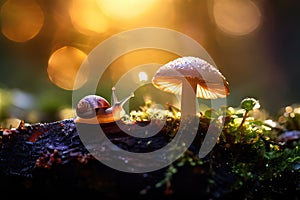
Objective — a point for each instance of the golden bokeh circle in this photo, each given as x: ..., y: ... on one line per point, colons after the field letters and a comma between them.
x: 121, y: 10
x: 22, y: 20
x: 63, y: 66
x: 236, y: 17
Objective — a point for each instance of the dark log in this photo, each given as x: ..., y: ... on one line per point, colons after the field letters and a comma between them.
x: 48, y: 160
x: 46, y: 157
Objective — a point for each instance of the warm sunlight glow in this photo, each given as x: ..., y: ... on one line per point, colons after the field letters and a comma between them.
x: 143, y: 76
x: 124, y: 9
x: 21, y: 20
x: 87, y: 18
x: 236, y: 17
x: 136, y: 58
x: 63, y: 66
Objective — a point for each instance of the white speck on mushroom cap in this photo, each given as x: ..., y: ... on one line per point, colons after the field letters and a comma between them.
x: 209, y: 80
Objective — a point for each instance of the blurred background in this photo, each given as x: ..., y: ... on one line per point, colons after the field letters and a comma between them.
x: 254, y: 43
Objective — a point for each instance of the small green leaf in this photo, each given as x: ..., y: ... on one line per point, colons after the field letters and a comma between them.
x: 249, y: 104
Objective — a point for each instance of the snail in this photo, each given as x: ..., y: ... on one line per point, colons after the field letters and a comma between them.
x: 94, y: 109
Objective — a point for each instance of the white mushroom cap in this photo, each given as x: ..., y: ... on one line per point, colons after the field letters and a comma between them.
x: 206, y: 79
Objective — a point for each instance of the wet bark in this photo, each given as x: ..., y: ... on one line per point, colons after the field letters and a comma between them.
x: 50, y: 159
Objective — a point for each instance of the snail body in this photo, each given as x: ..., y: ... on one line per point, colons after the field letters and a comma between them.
x: 94, y: 109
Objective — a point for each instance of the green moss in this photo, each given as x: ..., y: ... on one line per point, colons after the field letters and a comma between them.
x: 248, y: 150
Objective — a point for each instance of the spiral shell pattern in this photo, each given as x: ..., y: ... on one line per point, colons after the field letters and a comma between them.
x: 88, y: 106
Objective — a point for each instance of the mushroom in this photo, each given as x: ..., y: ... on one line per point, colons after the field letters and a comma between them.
x: 191, y: 77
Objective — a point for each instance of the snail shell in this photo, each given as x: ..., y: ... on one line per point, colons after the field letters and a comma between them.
x: 93, y: 109
x: 88, y: 106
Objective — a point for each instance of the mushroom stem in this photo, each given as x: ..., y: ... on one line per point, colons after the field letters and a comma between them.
x: 188, y: 98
